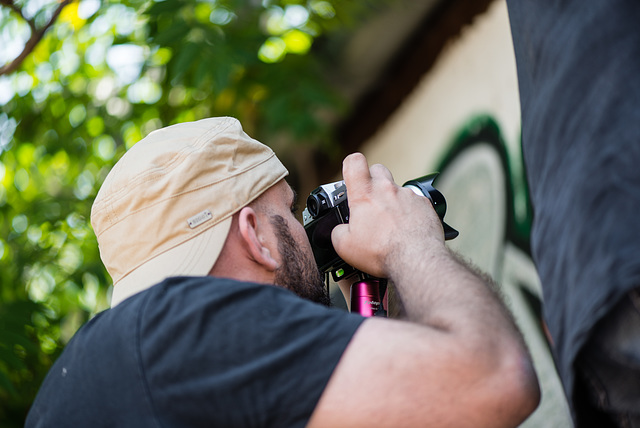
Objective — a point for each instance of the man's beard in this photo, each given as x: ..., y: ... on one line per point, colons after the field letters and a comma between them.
x: 298, y: 272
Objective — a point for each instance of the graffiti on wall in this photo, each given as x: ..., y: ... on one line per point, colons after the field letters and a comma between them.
x: 488, y: 202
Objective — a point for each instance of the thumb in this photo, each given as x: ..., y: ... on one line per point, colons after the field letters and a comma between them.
x: 340, y: 238
x: 352, y: 252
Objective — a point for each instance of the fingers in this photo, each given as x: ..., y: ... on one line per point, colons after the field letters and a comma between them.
x: 370, y: 191
x: 356, y: 174
x: 359, y: 177
x: 381, y: 171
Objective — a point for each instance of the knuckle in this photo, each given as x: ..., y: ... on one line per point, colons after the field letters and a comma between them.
x: 388, y: 186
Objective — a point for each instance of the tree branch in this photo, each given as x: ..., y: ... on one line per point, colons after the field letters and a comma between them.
x: 36, y: 35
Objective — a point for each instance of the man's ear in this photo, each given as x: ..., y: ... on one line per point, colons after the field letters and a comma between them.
x: 251, y: 231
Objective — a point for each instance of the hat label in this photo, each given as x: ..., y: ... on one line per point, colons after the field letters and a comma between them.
x: 199, y: 218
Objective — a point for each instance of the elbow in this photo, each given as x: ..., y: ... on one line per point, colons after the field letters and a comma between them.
x: 505, y: 385
x: 528, y: 390
x: 517, y: 388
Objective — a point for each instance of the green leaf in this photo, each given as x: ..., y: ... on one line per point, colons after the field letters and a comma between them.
x: 5, y: 383
x: 173, y: 35
x: 185, y: 59
x: 164, y: 7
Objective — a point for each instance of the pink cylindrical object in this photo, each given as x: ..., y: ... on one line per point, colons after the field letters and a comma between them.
x: 365, y: 297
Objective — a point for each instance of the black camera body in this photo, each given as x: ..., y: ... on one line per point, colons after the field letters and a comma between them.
x: 327, y: 207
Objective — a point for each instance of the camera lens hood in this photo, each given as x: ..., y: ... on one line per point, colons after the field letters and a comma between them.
x: 423, y: 186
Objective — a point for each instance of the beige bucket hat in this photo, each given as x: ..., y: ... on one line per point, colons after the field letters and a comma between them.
x: 165, y: 208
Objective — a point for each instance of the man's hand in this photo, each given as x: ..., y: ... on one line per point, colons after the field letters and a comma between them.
x: 385, y: 220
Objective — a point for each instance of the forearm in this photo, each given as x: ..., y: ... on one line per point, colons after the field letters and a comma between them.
x: 443, y: 291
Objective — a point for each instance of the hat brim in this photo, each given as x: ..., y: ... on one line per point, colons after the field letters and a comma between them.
x: 194, y: 257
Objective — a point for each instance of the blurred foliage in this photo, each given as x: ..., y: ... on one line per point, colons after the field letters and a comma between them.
x: 103, y: 76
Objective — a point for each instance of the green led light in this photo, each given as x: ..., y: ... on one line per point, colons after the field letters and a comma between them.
x: 339, y: 272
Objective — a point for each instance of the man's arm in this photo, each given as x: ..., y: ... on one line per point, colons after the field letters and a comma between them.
x: 459, y: 361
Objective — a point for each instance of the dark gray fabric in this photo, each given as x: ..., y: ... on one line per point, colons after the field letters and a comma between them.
x: 579, y: 76
x: 608, y: 369
x: 197, y: 352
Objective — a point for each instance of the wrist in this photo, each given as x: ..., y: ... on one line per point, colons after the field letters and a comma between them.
x: 416, y: 259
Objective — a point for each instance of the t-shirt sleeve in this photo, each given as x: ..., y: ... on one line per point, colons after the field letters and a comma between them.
x: 238, y: 354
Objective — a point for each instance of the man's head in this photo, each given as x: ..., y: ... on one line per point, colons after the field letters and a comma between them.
x: 268, y: 244
x: 167, y: 206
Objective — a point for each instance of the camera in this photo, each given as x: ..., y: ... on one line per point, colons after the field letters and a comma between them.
x: 327, y: 207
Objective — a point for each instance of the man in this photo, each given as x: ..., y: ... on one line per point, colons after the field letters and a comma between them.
x: 224, y: 342
x: 578, y: 67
